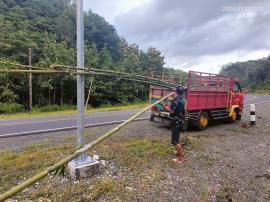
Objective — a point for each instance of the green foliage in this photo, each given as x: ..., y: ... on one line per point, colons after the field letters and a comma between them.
x: 254, y: 74
x: 155, y: 60
x: 49, y: 28
x: 53, y: 108
x: 8, y: 108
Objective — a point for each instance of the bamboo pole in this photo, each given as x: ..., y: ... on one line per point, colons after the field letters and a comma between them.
x: 153, y: 83
x: 19, y: 65
x: 73, y: 70
x: 149, y: 81
x: 104, y: 71
x: 89, y: 92
x: 114, y: 130
x: 30, y: 86
x: 77, y: 153
x: 22, y: 71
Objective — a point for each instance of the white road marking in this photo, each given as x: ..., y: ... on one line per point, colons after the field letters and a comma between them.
x: 64, y: 128
x: 53, y: 120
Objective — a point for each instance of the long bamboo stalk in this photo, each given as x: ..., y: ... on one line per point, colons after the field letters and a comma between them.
x: 143, y: 80
x: 20, y: 65
x: 77, y: 153
x: 114, y: 130
x: 55, y: 68
x: 22, y: 71
x: 73, y: 70
x: 161, y: 84
x: 127, y: 74
x: 89, y: 93
x: 87, y: 69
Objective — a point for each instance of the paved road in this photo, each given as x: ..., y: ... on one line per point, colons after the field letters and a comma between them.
x: 252, y: 99
x: 39, y: 125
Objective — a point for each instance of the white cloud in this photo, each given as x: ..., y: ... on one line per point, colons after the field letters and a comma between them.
x: 193, y: 34
x: 212, y: 63
x: 109, y: 9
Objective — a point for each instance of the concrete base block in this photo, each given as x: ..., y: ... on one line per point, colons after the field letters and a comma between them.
x: 77, y: 172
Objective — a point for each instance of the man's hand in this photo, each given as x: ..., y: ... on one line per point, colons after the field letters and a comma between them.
x: 167, y: 108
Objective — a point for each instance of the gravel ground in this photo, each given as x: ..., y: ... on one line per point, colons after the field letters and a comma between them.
x: 226, y: 162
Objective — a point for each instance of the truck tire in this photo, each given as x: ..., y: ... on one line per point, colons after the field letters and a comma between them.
x: 203, y: 121
x: 234, y: 116
x: 239, y: 117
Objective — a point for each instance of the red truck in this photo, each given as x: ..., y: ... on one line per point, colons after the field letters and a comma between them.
x: 208, y: 97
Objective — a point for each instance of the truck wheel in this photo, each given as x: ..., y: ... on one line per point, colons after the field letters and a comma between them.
x: 239, y: 117
x: 234, y: 116
x: 203, y: 121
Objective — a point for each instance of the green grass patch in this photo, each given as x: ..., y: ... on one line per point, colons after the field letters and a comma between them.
x: 107, y: 186
x: 226, y: 193
x: 17, y: 166
x: 136, y: 153
x: 206, y: 160
x: 191, y: 142
x: 145, y: 158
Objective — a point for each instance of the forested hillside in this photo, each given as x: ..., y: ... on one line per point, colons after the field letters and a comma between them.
x: 49, y: 28
x: 254, y: 74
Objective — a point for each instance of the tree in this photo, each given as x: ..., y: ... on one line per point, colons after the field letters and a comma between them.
x: 48, y: 27
x: 254, y: 74
x: 155, y: 60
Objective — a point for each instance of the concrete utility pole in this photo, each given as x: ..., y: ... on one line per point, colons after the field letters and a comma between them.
x: 30, y: 79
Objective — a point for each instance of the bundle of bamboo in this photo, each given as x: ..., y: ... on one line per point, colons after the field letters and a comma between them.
x: 7, y: 67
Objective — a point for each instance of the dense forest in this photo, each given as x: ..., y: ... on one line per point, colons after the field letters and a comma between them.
x: 254, y: 74
x: 49, y: 29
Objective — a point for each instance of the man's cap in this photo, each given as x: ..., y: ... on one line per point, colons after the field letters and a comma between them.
x: 179, y: 90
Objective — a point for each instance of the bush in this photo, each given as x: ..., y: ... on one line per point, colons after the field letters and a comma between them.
x: 8, y: 108
x: 52, y: 108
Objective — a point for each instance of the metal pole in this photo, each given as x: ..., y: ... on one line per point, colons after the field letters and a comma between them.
x: 83, y: 158
x: 30, y: 79
x: 80, y: 78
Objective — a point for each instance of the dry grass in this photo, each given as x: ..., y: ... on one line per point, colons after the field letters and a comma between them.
x: 135, y: 153
x: 16, y: 166
x: 107, y: 187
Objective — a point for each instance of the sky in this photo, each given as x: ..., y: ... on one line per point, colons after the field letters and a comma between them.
x: 200, y: 35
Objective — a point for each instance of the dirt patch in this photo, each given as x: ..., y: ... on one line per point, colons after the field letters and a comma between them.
x: 226, y: 162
